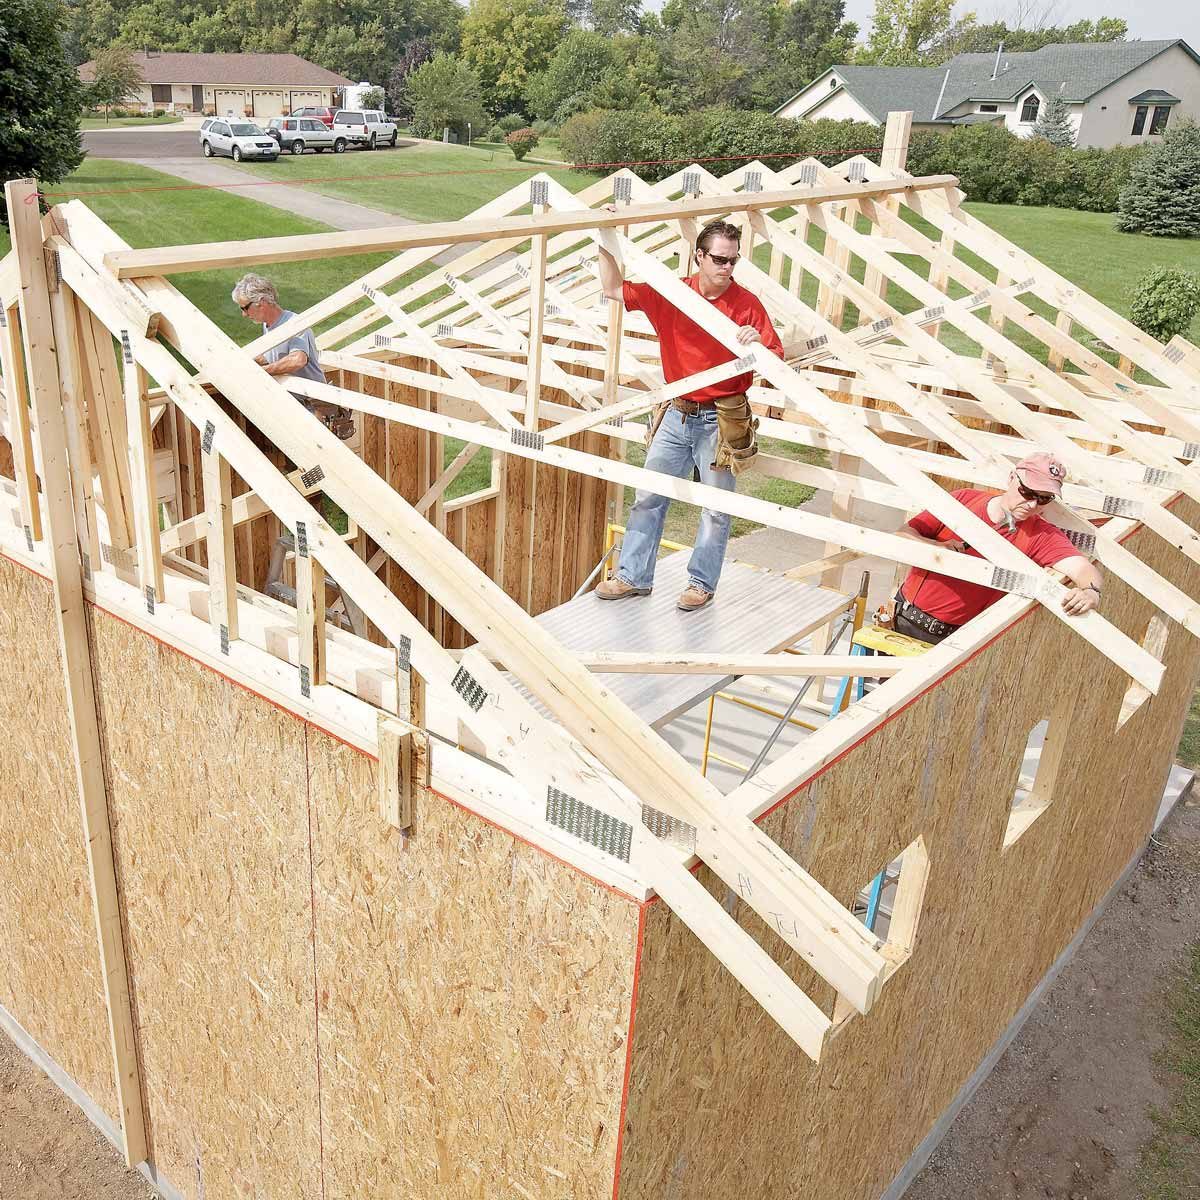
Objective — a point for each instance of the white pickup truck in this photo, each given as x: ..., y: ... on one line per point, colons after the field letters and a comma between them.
x: 366, y: 128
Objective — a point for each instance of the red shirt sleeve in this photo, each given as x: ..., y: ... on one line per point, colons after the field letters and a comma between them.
x: 640, y: 297
x: 1051, y: 546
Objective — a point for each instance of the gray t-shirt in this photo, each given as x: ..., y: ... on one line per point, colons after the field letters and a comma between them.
x: 298, y: 341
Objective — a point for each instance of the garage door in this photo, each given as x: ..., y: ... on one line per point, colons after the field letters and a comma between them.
x: 229, y: 102
x: 267, y: 104
x: 303, y: 99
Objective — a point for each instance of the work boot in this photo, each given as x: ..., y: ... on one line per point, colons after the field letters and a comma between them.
x: 618, y: 589
x: 693, y: 597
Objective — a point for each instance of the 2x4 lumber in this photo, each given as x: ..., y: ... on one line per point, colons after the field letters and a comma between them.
x: 821, y: 665
x: 106, y: 423
x: 1114, y: 644
x: 64, y: 321
x: 310, y: 615
x: 398, y: 770
x: 1154, y: 516
x: 141, y: 478
x: 1145, y: 449
x: 437, y: 489
x: 822, y: 929
x: 175, y: 260
x: 806, y: 916
x: 1122, y: 335
x: 537, y: 320
x: 12, y: 365
x: 222, y: 573
x: 67, y: 581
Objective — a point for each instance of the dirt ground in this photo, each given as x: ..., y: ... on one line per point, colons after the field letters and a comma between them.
x: 48, y: 1149
x: 1066, y: 1112
x: 1064, y: 1115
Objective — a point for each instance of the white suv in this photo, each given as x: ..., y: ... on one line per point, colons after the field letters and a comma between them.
x: 238, y: 139
x: 364, y: 127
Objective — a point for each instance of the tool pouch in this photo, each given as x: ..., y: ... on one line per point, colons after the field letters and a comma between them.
x: 737, y: 443
x: 885, y: 615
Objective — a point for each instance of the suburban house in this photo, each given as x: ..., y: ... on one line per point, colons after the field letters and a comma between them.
x: 253, y: 85
x: 1116, y: 92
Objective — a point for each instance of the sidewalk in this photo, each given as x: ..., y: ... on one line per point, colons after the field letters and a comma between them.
x: 339, y: 214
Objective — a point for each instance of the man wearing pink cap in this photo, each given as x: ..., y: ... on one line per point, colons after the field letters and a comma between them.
x: 930, y: 606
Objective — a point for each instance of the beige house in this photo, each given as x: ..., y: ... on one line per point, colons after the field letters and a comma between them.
x: 1116, y: 93
x: 254, y: 85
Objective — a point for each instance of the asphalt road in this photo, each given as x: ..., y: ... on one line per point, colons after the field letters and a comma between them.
x: 143, y: 144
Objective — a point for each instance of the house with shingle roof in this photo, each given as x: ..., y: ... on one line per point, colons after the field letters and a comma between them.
x: 252, y: 85
x: 1115, y: 92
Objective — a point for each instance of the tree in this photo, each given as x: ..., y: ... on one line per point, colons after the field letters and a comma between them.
x: 903, y: 32
x: 506, y: 42
x: 1055, y: 124
x: 444, y: 91
x: 1165, y: 301
x: 586, y: 72
x: 40, y: 95
x: 611, y: 17
x: 813, y: 36
x: 419, y: 50
x: 372, y: 98
x: 974, y: 38
x: 1162, y: 197
x: 117, y: 78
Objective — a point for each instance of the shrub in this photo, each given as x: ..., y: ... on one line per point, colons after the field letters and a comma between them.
x: 1165, y: 301
x: 495, y: 134
x: 544, y: 128
x: 1162, y: 197
x: 510, y: 123
x: 160, y: 112
x: 521, y: 141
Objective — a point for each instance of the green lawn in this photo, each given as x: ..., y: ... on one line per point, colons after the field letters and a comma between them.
x: 424, y: 182
x: 128, y: 122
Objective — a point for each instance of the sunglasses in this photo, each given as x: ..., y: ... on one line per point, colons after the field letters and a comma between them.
x: 248, y: 304
x: 720, y: 259
x: 1042, y: 498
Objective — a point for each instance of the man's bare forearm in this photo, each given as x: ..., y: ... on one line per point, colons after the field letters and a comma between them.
x: 611, y: 276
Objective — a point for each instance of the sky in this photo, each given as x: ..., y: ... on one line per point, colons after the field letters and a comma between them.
x: 1147, y: 19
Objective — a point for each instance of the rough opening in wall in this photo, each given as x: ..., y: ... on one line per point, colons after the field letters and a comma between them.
x: 889, y: 905
x: 1154, y: 640
x: 1037, y: 770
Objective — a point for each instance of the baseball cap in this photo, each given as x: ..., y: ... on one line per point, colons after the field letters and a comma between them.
x: 1041, y: 472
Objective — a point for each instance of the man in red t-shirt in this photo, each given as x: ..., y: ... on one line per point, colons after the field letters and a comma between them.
x: 930, y: 606
x: 688, y: 437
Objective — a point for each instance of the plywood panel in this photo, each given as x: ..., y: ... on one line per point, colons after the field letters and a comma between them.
x: 208, y: 794
x: 475, y: 997
x: 49, y: 963
x: 721, y: 1104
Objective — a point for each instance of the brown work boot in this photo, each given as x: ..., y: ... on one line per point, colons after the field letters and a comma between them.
x: 618, y: 589
x: 692, y: 598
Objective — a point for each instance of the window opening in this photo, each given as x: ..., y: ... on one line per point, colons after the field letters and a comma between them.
x: 1139, y: 119
x: 1154, y: 641
x: 1029, y: 110
x: 1037, y: 770
x: 989, y: 108
x: 1158, y: 122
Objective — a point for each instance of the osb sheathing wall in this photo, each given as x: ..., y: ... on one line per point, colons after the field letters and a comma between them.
x: 50, y: 976
x: 323, y: 1009
x: 721, y: 1103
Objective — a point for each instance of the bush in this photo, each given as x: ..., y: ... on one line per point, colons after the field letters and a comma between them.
x: 510, y: 123
x: 1165, y: 301
x: 521, y: 141
x: 160, y: 112
x: 544, y: 128
x: 1162, y: 197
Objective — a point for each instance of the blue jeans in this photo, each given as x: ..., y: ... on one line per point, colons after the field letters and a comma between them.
x: 681, y: 443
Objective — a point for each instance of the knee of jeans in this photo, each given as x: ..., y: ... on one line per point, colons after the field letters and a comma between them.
x: 720, y: 521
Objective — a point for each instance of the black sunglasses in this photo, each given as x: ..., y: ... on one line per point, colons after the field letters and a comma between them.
x: 721, y: 260
x: 248, y: 304
x: 1042, y: 498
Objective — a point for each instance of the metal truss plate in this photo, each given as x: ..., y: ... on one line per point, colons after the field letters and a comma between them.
x: 589, y: 824
x: 669, y: 829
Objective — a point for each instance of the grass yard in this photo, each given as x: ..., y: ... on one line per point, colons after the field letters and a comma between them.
x: 128, y: 122
x: 427, y: 182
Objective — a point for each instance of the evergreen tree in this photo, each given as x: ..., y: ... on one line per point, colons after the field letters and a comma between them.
x: 1162, y: 197
x: 40, y: 96
x: 1055, y: 124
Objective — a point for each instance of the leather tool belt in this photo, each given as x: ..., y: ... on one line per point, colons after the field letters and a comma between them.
x: 922, y: 620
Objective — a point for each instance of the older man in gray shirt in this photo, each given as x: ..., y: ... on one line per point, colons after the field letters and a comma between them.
x: 295, y: 355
